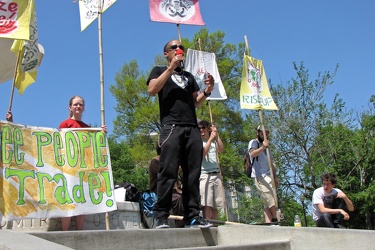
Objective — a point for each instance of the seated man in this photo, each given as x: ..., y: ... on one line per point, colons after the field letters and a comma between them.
x: 330, y: 205
x: 177, y: 206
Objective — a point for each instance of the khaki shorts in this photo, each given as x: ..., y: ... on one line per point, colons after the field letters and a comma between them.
x: 211, y: 190
x: 264, y: 186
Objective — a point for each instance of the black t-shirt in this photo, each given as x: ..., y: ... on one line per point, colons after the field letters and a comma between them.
x: 176, y: 102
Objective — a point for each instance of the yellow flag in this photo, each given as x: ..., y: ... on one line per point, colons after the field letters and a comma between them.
x: 254, y: 93
x: 27, y: 53
x: 15, y: 18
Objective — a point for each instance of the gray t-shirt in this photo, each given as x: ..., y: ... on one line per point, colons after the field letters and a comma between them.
x: 260, y: 163
x: 209, y: 162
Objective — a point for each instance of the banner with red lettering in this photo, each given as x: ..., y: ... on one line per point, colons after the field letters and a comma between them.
x: 176, y: 11
x: 15, y: 17
x: 46, y: 172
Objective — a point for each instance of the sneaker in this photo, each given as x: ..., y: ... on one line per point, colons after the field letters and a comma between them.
x: 162, y: 223
x: 198, y: 222
x: 339, y: 226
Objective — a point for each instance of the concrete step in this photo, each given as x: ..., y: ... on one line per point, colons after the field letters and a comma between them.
x: 222, y: 237
x: 270, y: 245
x: 133, y: 239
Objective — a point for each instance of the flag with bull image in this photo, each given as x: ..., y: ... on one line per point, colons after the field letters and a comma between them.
x: 254, y: 92
x: 176, y: 11
x: 48, y: 173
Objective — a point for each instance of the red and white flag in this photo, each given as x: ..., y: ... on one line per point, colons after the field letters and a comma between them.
x: 176, y: 11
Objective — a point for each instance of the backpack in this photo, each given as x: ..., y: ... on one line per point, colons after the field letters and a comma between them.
x: 146, y: 204
x: 248, y: 164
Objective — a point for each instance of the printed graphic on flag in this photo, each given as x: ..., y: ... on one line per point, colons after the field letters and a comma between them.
x: 88, y: 11
x: 199, y: 63
x: 176, y: 11
x: 27, y: 70
x: 254, y: 93
x: 15, y: 17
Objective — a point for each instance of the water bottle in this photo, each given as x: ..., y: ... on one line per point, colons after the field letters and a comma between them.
x: 297, y: 221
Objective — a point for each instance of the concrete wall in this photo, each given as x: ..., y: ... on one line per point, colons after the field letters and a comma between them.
x: 127, y: 216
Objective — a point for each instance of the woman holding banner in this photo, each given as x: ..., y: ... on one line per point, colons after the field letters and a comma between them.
x: 76, y: 108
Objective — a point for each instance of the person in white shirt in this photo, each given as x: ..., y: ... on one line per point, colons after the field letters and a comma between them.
x: 330, y: 204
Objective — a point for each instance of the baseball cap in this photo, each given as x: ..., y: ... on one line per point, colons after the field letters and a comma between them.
x: 259, y: 128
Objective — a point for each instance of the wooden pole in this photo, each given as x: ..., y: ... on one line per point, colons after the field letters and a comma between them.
x: 18, y: 62
x: 265, y: 137
x: 101, y: 65
x: 179, y: 32
x: 216, y: 146
x: 270, y: 164
x: 101, y: 77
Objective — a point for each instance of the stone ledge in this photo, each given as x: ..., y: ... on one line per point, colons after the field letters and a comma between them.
x: 127, y: 216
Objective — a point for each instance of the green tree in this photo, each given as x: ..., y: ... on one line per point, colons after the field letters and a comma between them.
x: 123, y: 166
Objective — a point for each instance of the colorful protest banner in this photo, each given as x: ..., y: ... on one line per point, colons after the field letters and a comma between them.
x: 177, y: 11
x: 254, y: 92
x: 88, y: 11
x: 15, y: 18
x: 198, y: 63
x: 47, y: 173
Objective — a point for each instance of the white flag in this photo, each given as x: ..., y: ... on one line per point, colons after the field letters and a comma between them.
x: 198, y: 63
x: 88, y: 10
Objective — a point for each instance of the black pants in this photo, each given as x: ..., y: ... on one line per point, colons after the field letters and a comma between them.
x: 181, y: 145
x: 332, y: 220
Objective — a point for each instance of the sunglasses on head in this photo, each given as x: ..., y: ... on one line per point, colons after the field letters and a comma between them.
x: 175, y: 46
x: 202, y: 127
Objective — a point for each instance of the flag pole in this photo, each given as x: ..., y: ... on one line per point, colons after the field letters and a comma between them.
x: 179, y: 32
x: 216, y: 146
x: 18, y: 62
x: 265, y: 137
x: 101, y: 62
x: 101, y: 68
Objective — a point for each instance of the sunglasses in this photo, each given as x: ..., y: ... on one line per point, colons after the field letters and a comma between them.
x: 175, y: 46
x: 203, y: 127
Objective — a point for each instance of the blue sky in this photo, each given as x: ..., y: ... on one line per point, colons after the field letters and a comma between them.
x: 321, y: 33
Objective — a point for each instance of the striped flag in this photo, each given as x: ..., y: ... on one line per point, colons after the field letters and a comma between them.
x: 199, y: 63
x: 176, y: 11
x: 254, y: 93
x: 88, y: 10
x: 15, y: 18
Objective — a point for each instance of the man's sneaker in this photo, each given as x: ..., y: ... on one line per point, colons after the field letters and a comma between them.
x: 198, y: 222
x: 162, y: 223
x: 339, y: 226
